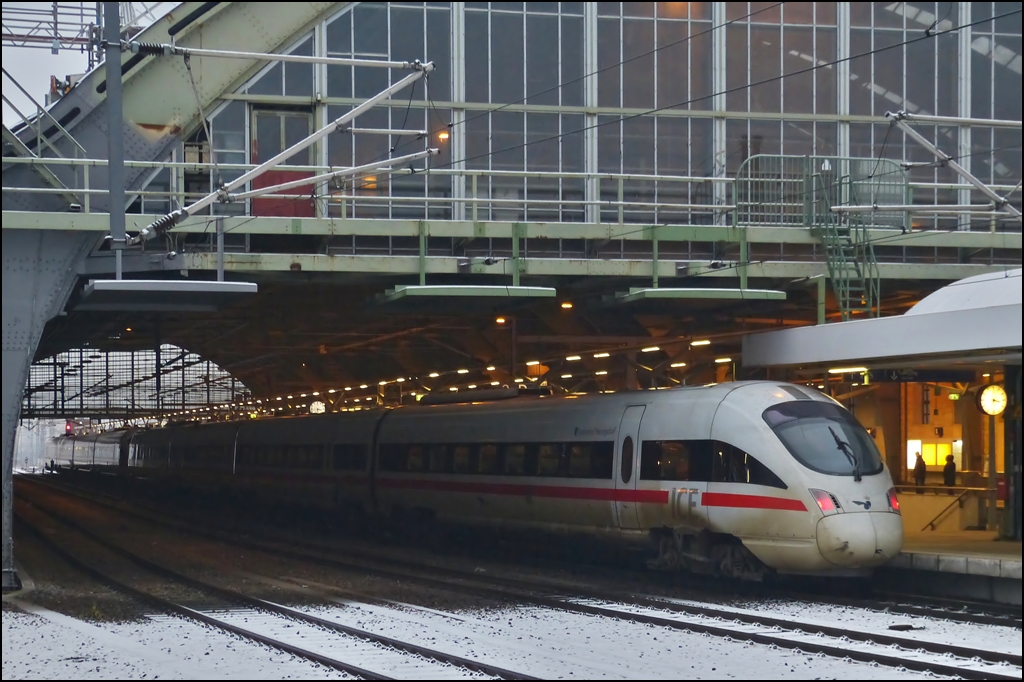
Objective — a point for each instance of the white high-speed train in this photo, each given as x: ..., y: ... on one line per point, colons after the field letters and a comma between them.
x: 735, y: 479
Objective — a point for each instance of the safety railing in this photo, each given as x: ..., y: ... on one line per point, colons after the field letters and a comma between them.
x: 483, y: 195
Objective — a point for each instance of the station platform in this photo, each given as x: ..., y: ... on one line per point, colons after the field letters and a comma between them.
x: 966, y: 564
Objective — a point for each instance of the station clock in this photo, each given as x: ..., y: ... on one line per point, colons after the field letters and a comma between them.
x: 992, y: 399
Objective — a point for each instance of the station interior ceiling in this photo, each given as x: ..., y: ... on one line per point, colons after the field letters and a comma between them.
x: 306, y: 332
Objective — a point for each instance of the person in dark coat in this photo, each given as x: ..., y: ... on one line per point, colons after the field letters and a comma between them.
x: 919, y: 470
x: 949, y: 473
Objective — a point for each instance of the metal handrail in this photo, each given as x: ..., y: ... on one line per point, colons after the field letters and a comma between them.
x: 958, y: 501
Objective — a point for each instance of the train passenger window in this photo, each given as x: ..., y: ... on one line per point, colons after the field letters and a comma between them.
x: 315, y: 457
x: 414, y: 458
x: 349, y: 457
x: 488, y: 459
x: 392, y: 457
x: 627, y: 459
x: 579, y: 460
x: 675, y: 460
x: 438, y: 459
x: 732, y: 465
x: 601, y: 456
x: 547, y: 459
x: 515, y: 460
x: 462, y: 459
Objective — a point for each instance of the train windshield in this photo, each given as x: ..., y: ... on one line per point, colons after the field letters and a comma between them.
x: 825, y: 438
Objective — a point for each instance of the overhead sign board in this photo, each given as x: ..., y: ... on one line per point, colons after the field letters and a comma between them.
x: 935, y: 376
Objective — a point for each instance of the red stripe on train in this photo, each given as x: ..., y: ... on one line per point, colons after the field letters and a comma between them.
x: 559, y: 491
x: 751, y: 502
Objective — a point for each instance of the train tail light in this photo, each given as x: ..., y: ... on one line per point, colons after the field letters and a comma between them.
x: 894, y: 502
x: 827, y: 502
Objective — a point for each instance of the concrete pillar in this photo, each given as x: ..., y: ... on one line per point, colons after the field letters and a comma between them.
x: 39, y: 272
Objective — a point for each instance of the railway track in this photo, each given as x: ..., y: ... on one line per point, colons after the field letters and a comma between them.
x: 715, y: 620
x: 356, y: 651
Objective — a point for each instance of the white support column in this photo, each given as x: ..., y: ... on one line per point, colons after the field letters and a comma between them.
x: 457, y: 142
x: 593, y: 212
x: 320, y: 119
x: 718, y: 81
x: 964, y: 101
x: 843, y: 77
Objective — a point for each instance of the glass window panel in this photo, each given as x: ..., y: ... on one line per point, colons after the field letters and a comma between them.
x: 477, y: 57
x: 765, y: 65
x: 506, y: 58
x: 547, y: 460
x: 609, y: 55
x: 543, y: 142
x: 638, y: 9
x: 371, y: 29
x: 638, y: 145
x: 673, y: 61
x: 462, y: 459
x: 507, y: 138
x: 542, y: 59
x: 572, y: 61
x: 229, y: 127
x: 439, y: 52
x: 267, y: 142
x: 339, y: 81
x: 701, y: 83
x: 369, y: 81
x: 407, y: 34
x: 298, y: 78
x: 270, y: 83
x: 579, y: 460
x: 339, y: 35
x: 414, y: 458
x: 572, y: 143
x: 609, y: 155
x: 515, y: 460
x: 488, y: 459
x: 736, y: 42
x: 296, y: 129
x: 638, y: 69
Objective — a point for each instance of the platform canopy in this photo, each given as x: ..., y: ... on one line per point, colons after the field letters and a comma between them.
x: 972, y: 322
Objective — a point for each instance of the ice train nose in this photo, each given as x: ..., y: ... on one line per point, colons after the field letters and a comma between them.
x: 862, y: 539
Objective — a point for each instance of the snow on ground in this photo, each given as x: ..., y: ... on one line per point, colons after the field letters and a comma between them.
x: 560, y: 645
x: 44, y: 644
x: 996, y: 638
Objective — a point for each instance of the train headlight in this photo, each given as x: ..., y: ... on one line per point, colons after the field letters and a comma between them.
x: 827, y: 502
x: 894, y: 502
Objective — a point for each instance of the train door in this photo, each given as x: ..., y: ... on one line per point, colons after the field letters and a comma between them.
x: 627, y: 458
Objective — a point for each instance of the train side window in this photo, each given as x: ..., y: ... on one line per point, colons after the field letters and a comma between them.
x: 579, y: 460
x: 438, y: 459
x: 601, y: 456
x: 316, y: 457
x: 462, y: 457
x: 392, y: 457
x: 547, y: 459
x: 488, y: 459
x: 627, y: 459
x: 675, y: 460
x: 349, y: 457
x: 414, y: 458
x: 732, y: 465
x: 515, y: 460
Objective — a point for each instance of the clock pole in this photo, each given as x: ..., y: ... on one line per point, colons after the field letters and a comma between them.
x: 992, y: 510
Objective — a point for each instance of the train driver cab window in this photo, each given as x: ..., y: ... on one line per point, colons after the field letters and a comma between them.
x: 627, y: 459
x: 414, y: 458
x: 824, y: 437
x: 488, y: 459
x: 462, y: 456
x: 438, y: 459
x: 515, y: 460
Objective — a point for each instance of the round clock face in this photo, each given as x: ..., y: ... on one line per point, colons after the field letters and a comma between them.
x: 992, y: 399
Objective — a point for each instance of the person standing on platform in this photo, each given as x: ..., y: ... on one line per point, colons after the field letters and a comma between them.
x: 919, y: 471
x: 949, y: 473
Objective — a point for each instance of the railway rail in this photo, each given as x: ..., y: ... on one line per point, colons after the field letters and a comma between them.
x: 272, y: 624
x: 715, y: 620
